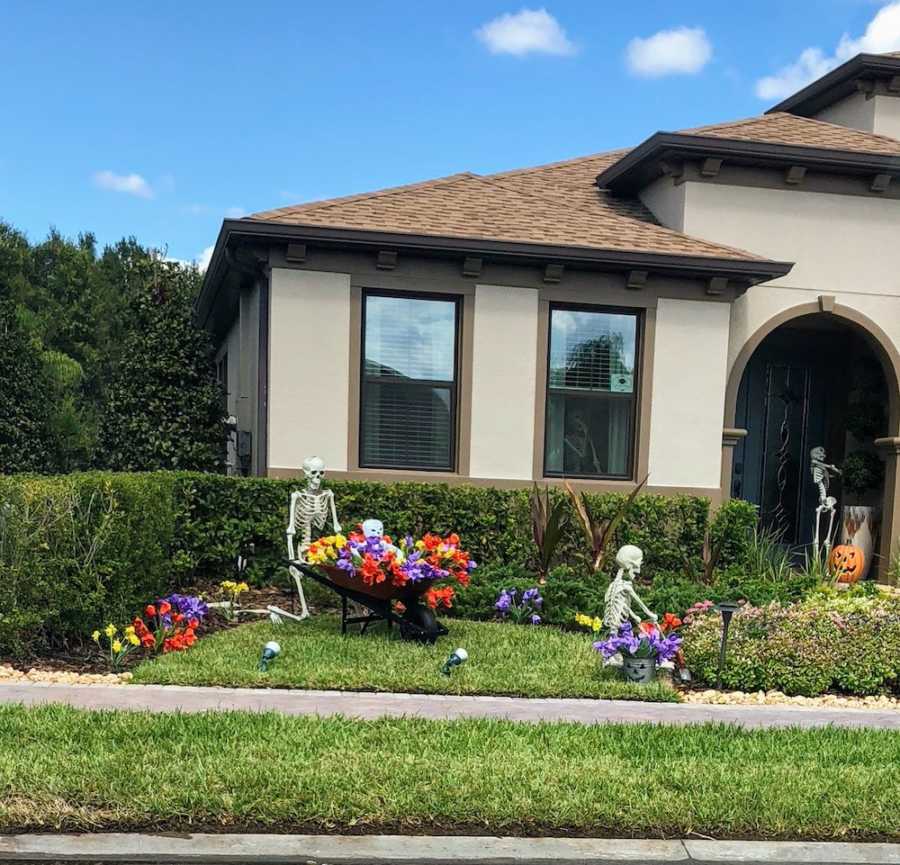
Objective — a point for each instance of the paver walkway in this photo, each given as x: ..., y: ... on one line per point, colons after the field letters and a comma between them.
x: 171, y: 698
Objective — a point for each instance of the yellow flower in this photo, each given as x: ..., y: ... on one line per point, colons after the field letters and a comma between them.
x: 133, y: 639
x: 340, y: 541
x: 129, y: 631
x: 227, y: 585
x: 96, y: 637
x: 241, y: 587
x: 110, y: 631
x: 116, y: 646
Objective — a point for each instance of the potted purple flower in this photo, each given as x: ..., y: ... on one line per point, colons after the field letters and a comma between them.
x: 520, y: 609
x: 641, y: 652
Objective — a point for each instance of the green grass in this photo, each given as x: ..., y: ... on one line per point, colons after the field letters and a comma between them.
x: 65, y: 769
x: 503, y: 659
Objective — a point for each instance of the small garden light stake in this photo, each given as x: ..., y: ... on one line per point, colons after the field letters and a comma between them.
x: 727, y: 609
x: 456, y: 659
x: 270, y: 652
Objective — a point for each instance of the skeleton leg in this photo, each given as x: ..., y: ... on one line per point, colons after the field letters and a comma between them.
x: 304, y: 610
x: 829, y: 537
x: 816, y: 545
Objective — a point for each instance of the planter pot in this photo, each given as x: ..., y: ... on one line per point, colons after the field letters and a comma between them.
x: 642, y: 671
x: 859, y: 528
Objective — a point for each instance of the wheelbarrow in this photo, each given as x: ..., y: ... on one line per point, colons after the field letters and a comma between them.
x: 417, y: 622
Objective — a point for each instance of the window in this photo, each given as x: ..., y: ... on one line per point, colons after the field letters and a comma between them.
x: 409, y: 381
x: 591, y: 383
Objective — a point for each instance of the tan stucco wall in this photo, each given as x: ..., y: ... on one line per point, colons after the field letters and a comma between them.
x: 688, y: 393
x: 504, y: 382
x: 309, y: 368
x: 887, y: 115
x: 854, y: 111
x: 843, y: 245
x: 666, y: 202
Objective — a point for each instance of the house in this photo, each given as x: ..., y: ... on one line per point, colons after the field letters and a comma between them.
x: 704, y: 309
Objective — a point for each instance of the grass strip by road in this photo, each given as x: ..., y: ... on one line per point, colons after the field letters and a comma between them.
x: 64, y: 769
x: 504, y: 659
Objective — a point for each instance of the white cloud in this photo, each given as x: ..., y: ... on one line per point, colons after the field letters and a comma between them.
x: 882, y: 34
x: 133, y: 184
x: 530, y: 31
x: 682, y: 51
x: 204, y: 258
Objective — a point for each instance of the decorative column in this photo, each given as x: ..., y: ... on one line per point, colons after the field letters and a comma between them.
x: 890, y: 518
x: 730, y: 437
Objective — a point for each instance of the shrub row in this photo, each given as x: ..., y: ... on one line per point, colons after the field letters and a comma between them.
x: 847, y: 644
x: 79, y: 549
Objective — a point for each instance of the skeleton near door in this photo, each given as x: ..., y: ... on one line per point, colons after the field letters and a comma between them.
x: 822, y: 473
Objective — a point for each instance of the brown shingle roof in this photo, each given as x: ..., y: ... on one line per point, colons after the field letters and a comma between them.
x: 556, y: 204
x: 782, y: 128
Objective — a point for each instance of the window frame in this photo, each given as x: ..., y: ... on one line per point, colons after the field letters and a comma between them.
x: 453, y: 386
x: 638, y: 314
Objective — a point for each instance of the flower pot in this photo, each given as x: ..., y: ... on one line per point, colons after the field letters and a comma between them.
x: 642, y: 671
x: 859, y: 528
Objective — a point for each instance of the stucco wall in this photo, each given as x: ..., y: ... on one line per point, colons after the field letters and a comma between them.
x: 854, y: 111
x: 666, y: 202
x: 887, y: 115
x: 504, y: 381
x: 843, y: 245
x: 688, y: 393
x: 309, y: 363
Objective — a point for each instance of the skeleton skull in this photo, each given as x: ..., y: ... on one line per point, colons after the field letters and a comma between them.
x: 314, y: 469
x: 817, y: 454
x: 373, y: 530
x: 630, y: 558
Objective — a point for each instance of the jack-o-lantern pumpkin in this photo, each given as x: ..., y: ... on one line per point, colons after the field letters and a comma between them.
x: 847, y: 563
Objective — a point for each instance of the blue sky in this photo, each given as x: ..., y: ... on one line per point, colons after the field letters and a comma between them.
x: 159, y: 119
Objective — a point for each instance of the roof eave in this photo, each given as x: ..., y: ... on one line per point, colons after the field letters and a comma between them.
x: 750, y: 271
x: 836, y: 84
x: 635, y: 170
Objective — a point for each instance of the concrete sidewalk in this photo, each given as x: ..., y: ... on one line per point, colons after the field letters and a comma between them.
x: 428, y: 850
x: 172, y: 698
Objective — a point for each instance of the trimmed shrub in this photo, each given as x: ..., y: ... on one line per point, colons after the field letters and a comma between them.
x: 851, y: 645
x: 77, y: 551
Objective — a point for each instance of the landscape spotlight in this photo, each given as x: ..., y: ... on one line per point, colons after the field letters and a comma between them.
x: 270, y: 652
x: 457, y: 658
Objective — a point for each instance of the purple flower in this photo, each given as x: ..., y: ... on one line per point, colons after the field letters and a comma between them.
x: 535, y: 620
x: 189, y: 606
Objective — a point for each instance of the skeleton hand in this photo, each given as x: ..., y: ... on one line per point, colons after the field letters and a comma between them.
x: 337, y: 528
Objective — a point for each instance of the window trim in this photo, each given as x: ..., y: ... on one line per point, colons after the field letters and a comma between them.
x: 453, y: 386
x: 638, y: 314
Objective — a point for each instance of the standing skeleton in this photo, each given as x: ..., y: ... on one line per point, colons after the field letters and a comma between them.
x: 309, y: 508
x: 621, y: 594
x: 821, y: 475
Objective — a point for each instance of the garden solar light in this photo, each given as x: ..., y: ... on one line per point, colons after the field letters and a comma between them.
x: 270, y: 652
x: 456, y: 659
x: 727, y: 609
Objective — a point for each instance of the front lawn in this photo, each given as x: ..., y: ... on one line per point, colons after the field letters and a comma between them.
x: 65, y: 769
x: 521, y: 660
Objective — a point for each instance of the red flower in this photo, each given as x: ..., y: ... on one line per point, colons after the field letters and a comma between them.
x: 647, y: 628
x: 453, y: 539
x: 670, y: 622
x: 164, y: 608
x: 194, y: 623
x: 178, y: 617
x: 150, y: 610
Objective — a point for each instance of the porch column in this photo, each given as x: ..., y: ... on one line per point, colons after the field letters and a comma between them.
x: 730, y: 437
x: 890, y: 517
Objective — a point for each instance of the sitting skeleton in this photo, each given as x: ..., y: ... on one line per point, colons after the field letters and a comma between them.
x: 621, y: 594
x: 821, y: 475
x: 309, y: 509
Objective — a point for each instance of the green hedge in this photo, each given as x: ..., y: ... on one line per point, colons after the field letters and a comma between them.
x: 81, y: 549
x: 848, y: 644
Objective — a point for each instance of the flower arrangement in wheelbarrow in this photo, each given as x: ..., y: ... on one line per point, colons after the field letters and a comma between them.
x: 644, y: 649
x: 373, y: 565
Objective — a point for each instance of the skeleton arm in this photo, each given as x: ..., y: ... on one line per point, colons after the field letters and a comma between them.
x: 334, y: 519
x: 650, y: 614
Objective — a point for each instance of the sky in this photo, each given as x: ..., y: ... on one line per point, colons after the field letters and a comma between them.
x: 159, y: 119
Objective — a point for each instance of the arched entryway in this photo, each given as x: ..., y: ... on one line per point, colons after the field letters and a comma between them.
x: 817, y: 374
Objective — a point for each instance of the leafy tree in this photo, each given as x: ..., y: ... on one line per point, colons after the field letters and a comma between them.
x: 163, y: 407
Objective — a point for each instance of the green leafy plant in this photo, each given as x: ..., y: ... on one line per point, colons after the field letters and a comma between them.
x: 599, y: 531
x: 768, y: 555
x: 862, y: 471
x: 547, y: 521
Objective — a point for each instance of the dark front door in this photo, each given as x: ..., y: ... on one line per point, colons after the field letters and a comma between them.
x: 787, y: 403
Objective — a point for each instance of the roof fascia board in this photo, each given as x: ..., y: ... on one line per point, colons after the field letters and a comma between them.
x: 748, y: 270
x: 634, y: 170
x: 836, y: 84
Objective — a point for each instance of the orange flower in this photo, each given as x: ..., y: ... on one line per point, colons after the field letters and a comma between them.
x: 150, y: 610
x: 647, y: 628
x: 164, y: 608
x: 670, y: 622
x: 453, y: 539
